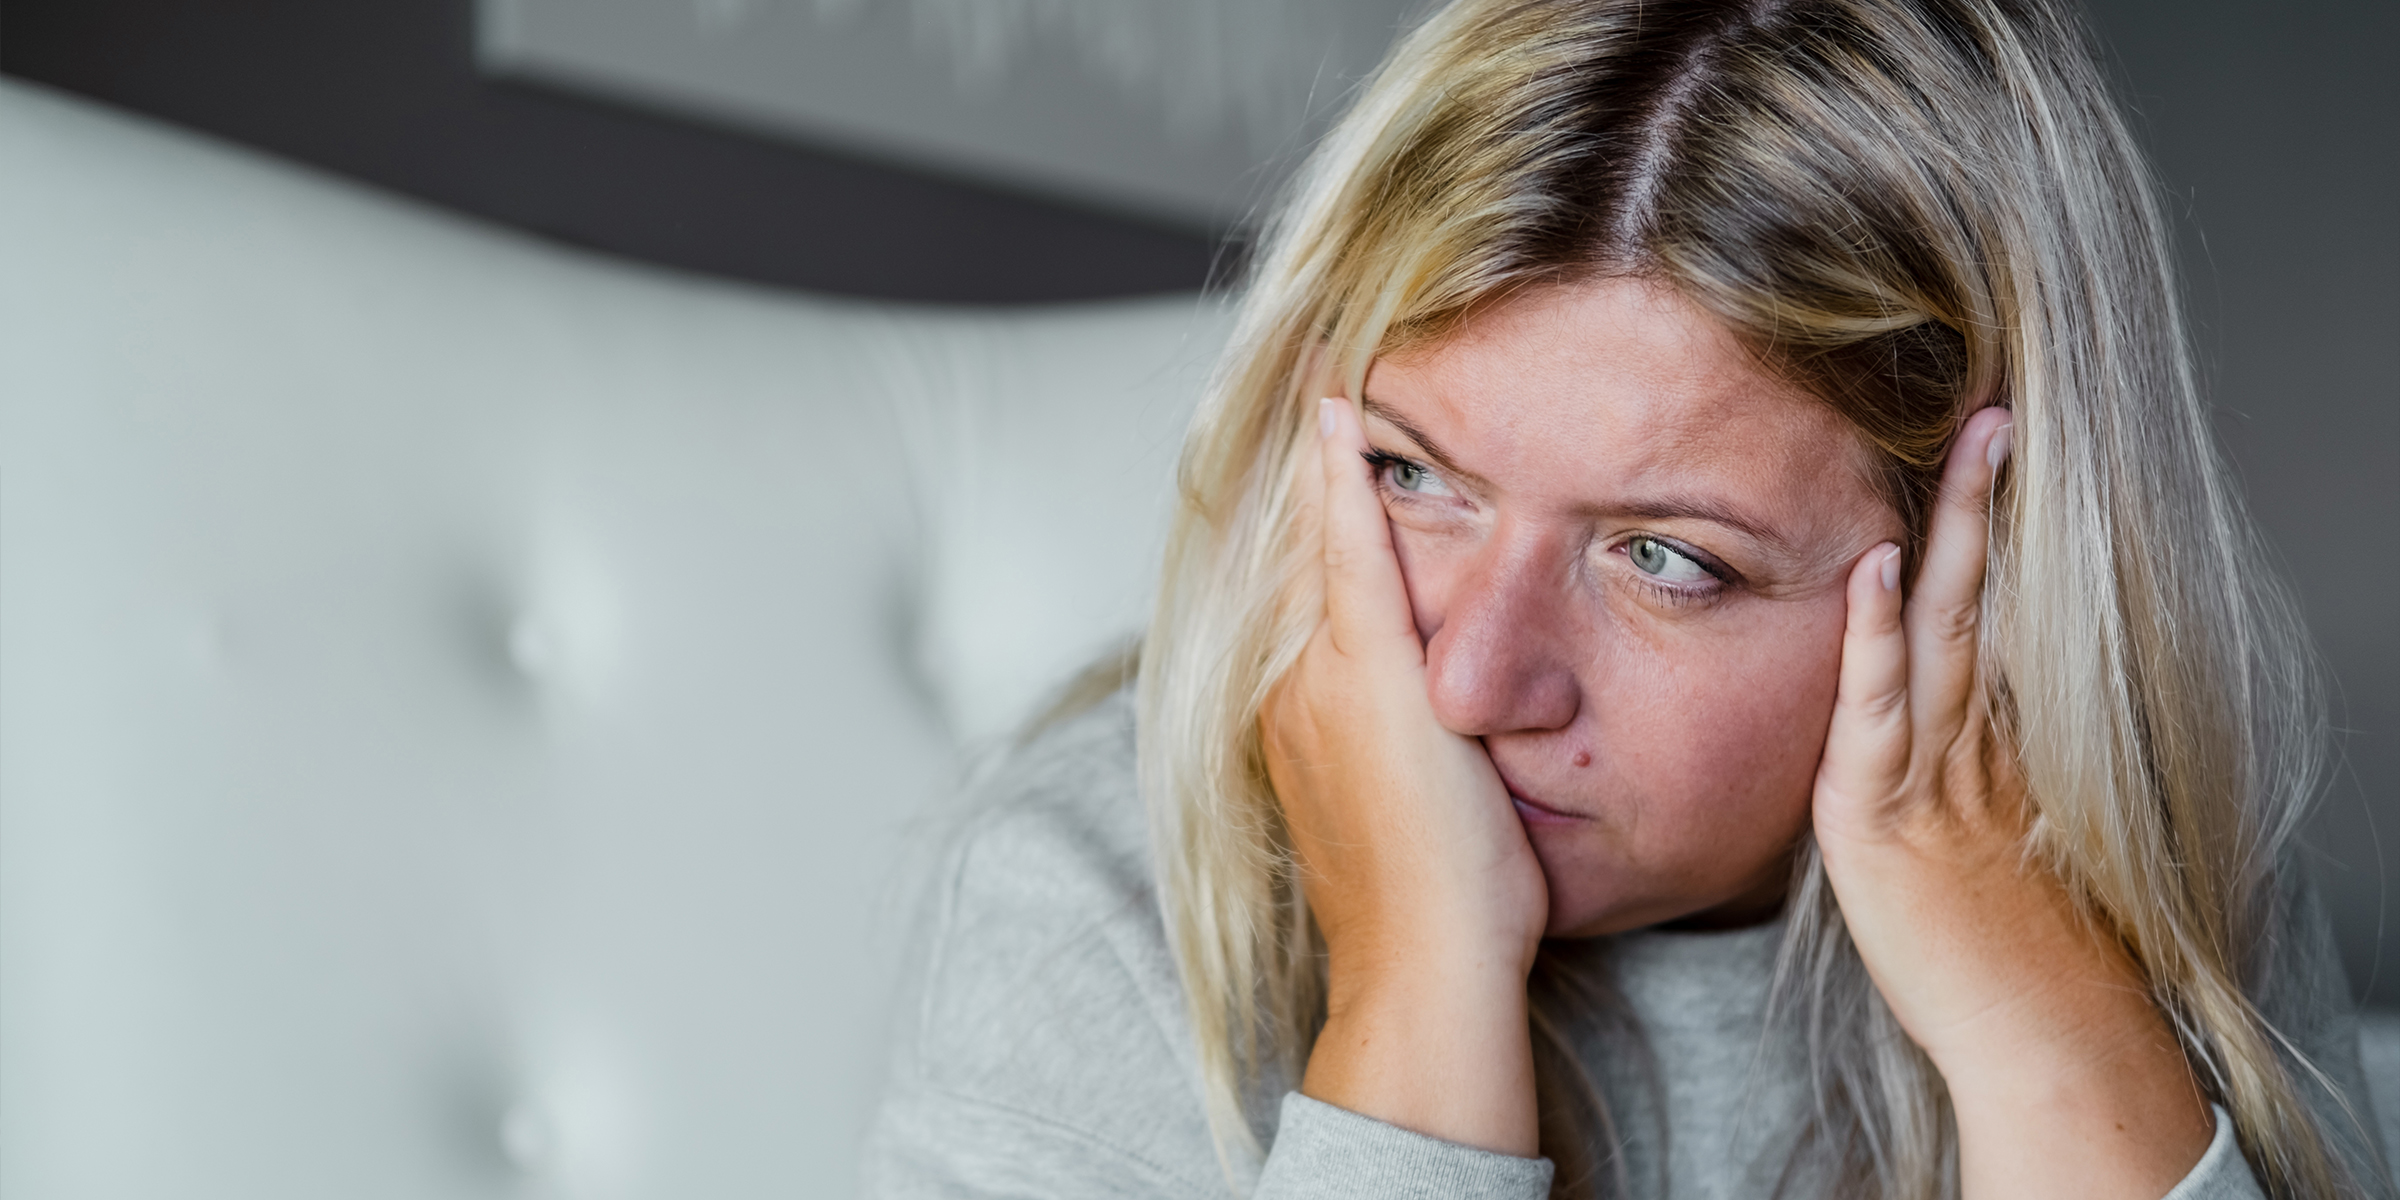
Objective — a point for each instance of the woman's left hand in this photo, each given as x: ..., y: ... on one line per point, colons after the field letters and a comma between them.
x: 2065, y: 1078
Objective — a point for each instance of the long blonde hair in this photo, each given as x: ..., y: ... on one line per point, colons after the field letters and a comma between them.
x: 1901, y: 204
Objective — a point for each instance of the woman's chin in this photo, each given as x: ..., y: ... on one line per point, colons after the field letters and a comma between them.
x: 1571, y: 924
x: 1601, y: 880
x: 1595, y: 900
x: 1580, y: 910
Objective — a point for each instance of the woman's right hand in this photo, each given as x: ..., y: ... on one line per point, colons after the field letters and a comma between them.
x: 1412, y: 857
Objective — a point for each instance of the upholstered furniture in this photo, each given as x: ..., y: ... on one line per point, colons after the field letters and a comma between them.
x: 463, y: 704
x: 466, y: 706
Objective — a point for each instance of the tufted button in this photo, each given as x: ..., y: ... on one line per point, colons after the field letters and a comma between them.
x: 532, y: 648
x: 528, y: 1137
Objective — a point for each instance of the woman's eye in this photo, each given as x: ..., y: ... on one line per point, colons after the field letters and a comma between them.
x: 1665, y: 563
x: 1410, y: 477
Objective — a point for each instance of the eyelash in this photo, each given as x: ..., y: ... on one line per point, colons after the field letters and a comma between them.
x: 1383, y: 461
x: 1668, y: 593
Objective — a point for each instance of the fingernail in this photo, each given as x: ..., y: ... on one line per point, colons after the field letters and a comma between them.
x: 1996, y: 451
x: 1325, y: 418
x: 1891, y: 569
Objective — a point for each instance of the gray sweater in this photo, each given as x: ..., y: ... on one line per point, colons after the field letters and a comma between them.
x: 1045, y: 1051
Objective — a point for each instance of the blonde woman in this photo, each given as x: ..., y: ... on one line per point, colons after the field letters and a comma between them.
x: 1706, y: 652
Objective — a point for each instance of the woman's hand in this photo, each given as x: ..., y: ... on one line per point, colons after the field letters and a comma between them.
x: 1416, y: 868
x: 2065, y: 1078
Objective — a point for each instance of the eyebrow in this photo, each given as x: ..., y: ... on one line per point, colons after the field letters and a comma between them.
x: 1693, y: 508
x: 1432, y: 449
x: 1668, y: 508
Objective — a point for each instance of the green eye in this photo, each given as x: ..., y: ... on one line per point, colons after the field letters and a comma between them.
x: 1401, y: 475
x: 1665, y: 563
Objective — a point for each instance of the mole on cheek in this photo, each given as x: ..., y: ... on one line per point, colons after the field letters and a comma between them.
x: 1583, y: 758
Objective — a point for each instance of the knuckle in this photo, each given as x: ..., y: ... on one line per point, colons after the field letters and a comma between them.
x: 1843, y: 794
x: 1954, y: 622
x: 1880, y: 707
x: 1966, y: 497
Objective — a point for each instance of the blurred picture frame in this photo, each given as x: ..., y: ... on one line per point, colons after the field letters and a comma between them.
x: 1182, y: 113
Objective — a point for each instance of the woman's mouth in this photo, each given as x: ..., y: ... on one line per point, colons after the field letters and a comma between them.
x: 1539, y: 814
x: 1533, y: 812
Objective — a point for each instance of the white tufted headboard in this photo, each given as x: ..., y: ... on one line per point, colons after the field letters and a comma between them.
x: 464, y: 701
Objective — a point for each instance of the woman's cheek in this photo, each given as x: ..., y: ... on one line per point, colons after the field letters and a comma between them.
x: 1746, y: 717
x: 1773, y: 697
x: 1429, y: 563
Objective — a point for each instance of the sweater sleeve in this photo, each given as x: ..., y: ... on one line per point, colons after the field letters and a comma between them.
x: 1044, y: 1051
x: 1328, y: 1153
x: 936, y: 1146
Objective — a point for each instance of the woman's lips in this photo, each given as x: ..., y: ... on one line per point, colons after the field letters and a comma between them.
x: 1537, y: 814
x: 1533, y: 812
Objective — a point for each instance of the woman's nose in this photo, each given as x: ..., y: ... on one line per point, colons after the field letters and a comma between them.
x: 1503, y: 660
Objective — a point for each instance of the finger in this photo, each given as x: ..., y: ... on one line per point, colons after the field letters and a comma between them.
x: 1867, y: 746
x: 1366, y: 602
x: 1945, y: 608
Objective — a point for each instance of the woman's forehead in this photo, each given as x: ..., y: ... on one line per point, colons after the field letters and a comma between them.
x: 1618, y: 382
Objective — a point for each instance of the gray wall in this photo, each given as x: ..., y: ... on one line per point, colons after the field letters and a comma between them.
x: 387, y: 91
x: 2277, y: 127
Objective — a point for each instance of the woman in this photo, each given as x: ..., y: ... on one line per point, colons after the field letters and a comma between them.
x: 1706, y: 651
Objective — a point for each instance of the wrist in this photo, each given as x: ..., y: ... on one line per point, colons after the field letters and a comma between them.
x: 2096, y: 1039
x: 1427, y: 945
x: 2062, y: 1072
x: 1433, y: 1049
x: 2110, y: 1109
x: 1421, y: 980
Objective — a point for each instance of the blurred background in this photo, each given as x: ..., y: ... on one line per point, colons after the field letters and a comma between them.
x: 1011, y: 151
x: 1011, y: 154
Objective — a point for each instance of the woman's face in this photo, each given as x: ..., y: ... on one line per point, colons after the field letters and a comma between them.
x: 1626, y: 545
